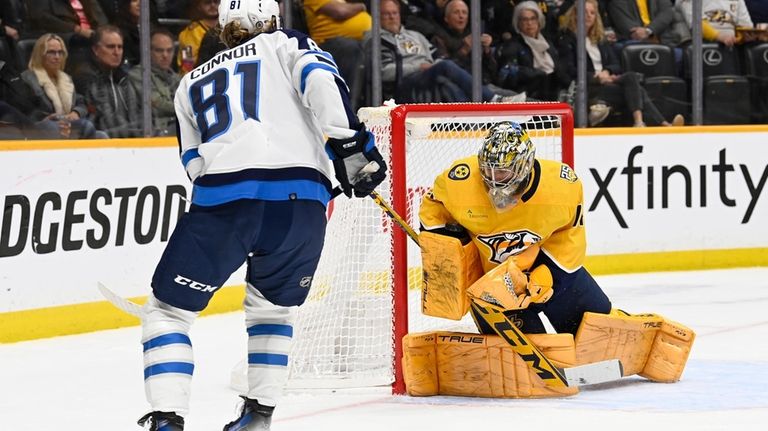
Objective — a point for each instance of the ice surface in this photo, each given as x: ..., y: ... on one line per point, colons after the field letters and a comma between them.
x: 94, y: 381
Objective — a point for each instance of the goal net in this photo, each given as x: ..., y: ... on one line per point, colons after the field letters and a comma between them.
x: 365, y: 293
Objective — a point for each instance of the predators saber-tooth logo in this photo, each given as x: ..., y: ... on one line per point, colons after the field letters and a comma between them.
x: 506, y: 244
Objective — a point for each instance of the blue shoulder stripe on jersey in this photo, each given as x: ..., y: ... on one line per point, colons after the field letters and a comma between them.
x: 322, y: 56
x: 169, y: 367
x: 311, y: 67
x: 188, y: 155
x: 274, y: 174
x: 299, y: 36
x: 267, y: 359
x: 271, y: 329
x: 166, y: 339
x: 262, y: 190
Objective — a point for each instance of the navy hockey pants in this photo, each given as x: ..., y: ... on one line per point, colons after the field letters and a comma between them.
x: 281, y: 242
x: 574, y: 294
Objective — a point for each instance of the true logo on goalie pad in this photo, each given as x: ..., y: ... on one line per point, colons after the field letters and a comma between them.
x: 305, y: 282
x: 506, y: 244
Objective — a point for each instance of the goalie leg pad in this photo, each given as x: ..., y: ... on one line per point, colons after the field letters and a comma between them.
x: 669, y: 353
x: 461, y: 364
x: 618, y: 335
x: 646, y: 344
x: 449, y: 269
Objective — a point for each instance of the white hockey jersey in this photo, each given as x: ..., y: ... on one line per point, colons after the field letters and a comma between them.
x: 722, y: 15
x: 252, y: 119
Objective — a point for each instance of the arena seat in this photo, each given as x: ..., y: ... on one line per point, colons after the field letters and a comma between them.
x: 24, y: 47
x: 756, y: 71
x: 656, y: 62
x: 726, y: 91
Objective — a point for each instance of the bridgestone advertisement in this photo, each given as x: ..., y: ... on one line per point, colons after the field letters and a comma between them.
x: 75, y: 217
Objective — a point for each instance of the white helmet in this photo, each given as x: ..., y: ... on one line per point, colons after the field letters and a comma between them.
x: 254, y: 15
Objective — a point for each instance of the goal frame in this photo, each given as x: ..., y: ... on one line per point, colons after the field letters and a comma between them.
x: 398, y: 164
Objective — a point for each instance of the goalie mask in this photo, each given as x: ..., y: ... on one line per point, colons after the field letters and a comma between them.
x: 506, y: 161
x: 253, y: 16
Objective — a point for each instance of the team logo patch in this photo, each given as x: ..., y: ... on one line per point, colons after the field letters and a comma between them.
x: 567, y: 174
x: 459, y: 172
x: 305, y: 281
x: 506, y: 244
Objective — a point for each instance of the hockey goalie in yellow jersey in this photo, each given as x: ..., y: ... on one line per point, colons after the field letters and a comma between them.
x: 504, y: 230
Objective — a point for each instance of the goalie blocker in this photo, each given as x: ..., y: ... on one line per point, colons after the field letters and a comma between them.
x: 460, y: 364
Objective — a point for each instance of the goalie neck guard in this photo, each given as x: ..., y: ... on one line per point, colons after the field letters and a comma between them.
x: 506, y: 161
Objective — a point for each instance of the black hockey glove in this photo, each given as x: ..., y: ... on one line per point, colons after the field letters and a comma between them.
x: 357, y: 162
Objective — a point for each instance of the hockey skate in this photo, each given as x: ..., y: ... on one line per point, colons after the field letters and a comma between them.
x: 162, y: 421
x: 254, y: 417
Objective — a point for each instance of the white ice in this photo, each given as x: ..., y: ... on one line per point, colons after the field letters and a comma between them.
x: 94, y: 381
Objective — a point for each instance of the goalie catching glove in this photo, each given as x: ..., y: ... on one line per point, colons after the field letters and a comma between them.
x: 357, y: 162
x: 508, y: 287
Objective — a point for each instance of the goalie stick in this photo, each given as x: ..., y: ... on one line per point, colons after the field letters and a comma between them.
x: 550, y: 374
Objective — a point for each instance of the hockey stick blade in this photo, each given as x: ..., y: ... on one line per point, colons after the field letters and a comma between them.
x: 118, y: 301
x: 594, y: 373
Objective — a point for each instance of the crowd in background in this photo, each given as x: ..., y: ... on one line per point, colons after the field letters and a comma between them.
x: 71, y: 69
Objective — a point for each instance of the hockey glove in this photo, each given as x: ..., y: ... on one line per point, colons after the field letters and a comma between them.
x: 510, y: 288
x: 357, y: 162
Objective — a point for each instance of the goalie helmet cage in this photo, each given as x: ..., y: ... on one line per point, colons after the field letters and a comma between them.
x: 365, y: 294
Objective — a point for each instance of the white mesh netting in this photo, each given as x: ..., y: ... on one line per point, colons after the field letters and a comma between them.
x: 344, y: 335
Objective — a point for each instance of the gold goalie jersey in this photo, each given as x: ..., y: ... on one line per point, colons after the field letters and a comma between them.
x: 549, y: 214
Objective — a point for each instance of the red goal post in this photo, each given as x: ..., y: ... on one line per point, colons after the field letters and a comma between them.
x: 365, y: 295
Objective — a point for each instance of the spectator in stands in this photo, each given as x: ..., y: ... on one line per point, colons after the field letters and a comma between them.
x: 758, y: 11
x: 339, y: 27
x: 719, y: 18
x: 113, y: 103
x: 455, y: 42
x: 529, y: 61
x: 55, y: 89
x: 423, y: 16
x: 127, y: 21
x: 650, y: 21
x: 205, y: 16
x: 75, y: 20
x: 111, y: 9
x: 164, y: 83
x: 419, y: 69
x: 12, y: 14
x: 602, y: 9
x: 80, y: 17
x: 210, y: 46
x: 607, y: 86
x: 18, y: 105
x: 497, y: 16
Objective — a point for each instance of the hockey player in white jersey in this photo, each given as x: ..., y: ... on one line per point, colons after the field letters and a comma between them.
x: 251, y: 127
